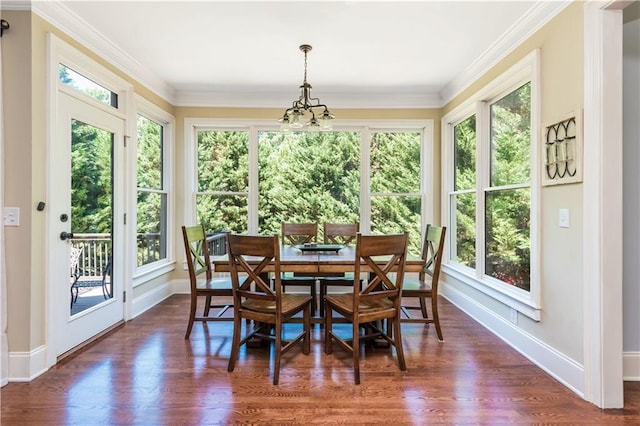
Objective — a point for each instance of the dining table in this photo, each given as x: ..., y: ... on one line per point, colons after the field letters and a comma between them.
x: 319, y: 260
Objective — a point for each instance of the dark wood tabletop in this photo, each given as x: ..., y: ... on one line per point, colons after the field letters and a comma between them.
x: 295, y: 260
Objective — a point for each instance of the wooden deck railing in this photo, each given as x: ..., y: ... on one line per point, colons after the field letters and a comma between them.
x: 96, y: 250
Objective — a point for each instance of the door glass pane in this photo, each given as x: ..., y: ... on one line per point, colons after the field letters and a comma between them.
x: 308, y: 177
x: 91, y: 214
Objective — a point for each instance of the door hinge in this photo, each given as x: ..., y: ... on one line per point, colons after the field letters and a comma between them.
x: 125, y: 140
x: 125, y: 218
x: 124, y: 296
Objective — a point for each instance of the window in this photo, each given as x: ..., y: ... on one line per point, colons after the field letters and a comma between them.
x: 489, y: 150
x: 222, y: 180
x: 249, y: 177
x: 308, y: 177
x: 151, y: 223
x: 90, y: 88
x: 463, y: 196
x: 153, y: 214
x: 507, y: 198
x: 395, y: 171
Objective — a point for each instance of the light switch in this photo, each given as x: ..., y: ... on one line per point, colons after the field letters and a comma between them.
x: 11, y: 216
x: 563, y: 218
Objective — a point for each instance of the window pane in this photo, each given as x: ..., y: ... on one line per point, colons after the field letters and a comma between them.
x: 511, y: 137
x: 222, y: 212
x: 395, y: 162
x: 152, y: 227
x: 397, y: 214
x: 507, y: 236
x: 149, y: 154
x: 308, y: 177
x: 464, y: 206
x: 223, y: 161
x: 81, y: 83
x: 465, y: 154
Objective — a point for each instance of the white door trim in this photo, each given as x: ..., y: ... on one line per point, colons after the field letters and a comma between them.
x: 602, y: 203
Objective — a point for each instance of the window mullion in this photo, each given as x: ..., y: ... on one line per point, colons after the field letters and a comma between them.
x: 365, y: 180
x: 483, y: 161
x: 253, y: 195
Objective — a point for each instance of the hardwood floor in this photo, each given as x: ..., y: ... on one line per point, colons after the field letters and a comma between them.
x: 145, y: 373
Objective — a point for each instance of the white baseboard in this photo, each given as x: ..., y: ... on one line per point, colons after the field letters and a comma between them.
x: 181, y: 286
x: 631, y: 366
x: 26, y: 366
x: 151, y: 298
x: 565, y: 370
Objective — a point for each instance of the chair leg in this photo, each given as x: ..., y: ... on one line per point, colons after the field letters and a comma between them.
x: 323, y: 292
x: 328, y: 329
x: 207, y: 306
x: 397, y: 338
x: 356, y: 352
x: 278, y: 349
x: 192, y: 315
x: 306, y: 349
x: 423, y: 307
x: 235, y: 343
x: 436, y: 318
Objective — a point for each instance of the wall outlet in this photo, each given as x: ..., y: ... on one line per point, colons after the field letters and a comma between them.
x: 11, y: 216
x: 513, y: 316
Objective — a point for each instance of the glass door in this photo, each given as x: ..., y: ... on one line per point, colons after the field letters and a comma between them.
x: 84, y: 233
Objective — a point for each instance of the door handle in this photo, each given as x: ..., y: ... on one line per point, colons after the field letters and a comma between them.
x: 64, y: 235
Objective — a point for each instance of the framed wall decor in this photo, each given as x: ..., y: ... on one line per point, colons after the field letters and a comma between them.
x: 562, y: 150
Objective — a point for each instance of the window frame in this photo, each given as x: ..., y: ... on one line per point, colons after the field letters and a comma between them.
x: 364, y: 127
x: 526, y: 70
x: 156, y: 114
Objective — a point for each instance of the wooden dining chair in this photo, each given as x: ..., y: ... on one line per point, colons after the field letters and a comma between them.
x: 295, y: 234
x: 201, y: 278
x: 344, y: 234
x: 426, y: 285
x: 378, y: 300
x: 256, y: 301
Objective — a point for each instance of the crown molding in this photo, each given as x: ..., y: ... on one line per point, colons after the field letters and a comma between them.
x: 538, y: 16
x: 59, y: 15
x: 62, y: 17
x: 17, y: 5
x: 366, y: 98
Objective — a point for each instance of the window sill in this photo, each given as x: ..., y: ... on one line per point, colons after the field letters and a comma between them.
x: 513, y: 298
x: 152, y: 271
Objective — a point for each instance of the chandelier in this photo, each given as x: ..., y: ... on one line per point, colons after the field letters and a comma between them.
x: 293, y: 117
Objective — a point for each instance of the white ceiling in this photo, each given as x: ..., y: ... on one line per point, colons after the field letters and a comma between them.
x: 240, y: 53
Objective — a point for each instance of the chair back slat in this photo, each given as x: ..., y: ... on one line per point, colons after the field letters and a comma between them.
x: 250, y: 255
x: 299, y: 233
x: 340, y: 233
x: 386, y: 280
x: 432, y: 252
x: 196, y: 249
